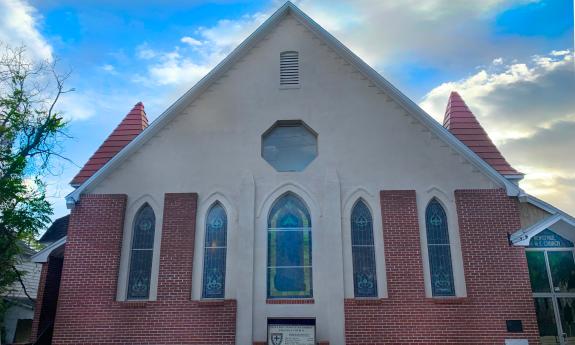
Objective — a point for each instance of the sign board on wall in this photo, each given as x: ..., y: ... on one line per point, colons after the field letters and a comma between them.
x: 549, y: 239
x: 516, y: 342
x: 279, y: 334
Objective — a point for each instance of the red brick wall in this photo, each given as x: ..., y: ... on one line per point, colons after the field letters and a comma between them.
x: 47, y: 297
x: 39, y: 301
x: 496, y: 278
x: 88, y: 312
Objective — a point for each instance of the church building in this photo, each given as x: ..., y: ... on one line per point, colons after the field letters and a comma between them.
x: 293, y: 196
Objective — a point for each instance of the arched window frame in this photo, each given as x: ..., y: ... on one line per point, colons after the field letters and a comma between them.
x: 221, y: 195
x: 220, y: 247
x: 368, y: 248
x: 445, y: 243
x: 373, y: 202
x: 123, y: 275
x: 310, y: 247
x: 147, y: 248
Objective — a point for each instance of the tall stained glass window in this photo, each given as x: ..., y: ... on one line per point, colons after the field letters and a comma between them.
x: 214, y: 277
x: 289, y: 249
x: 363, y: 251
x: 141, y: 253
x: 439, y: 250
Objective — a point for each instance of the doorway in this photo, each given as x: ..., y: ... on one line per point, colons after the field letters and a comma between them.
x: 551, y: 264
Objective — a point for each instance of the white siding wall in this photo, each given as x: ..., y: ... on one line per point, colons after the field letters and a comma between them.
x: 30, y: 279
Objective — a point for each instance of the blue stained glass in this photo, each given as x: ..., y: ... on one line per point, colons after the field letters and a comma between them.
x: 363, y: 251
x: 214, y: 274
x: 289, y: 249
x: 141, y: 254
x: 439, y: 250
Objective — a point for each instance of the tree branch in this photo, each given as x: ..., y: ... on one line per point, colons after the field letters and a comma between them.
x: 19, y: 276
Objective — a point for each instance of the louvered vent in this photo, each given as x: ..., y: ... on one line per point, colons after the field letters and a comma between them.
x: 289, y: 69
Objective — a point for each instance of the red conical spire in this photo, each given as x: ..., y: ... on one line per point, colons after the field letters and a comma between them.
x: 133, y: 124
x: 461, y: 122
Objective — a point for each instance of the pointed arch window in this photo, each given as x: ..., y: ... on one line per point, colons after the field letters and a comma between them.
x: 363, y: 251
x: 439, y: 250
x: 289, y: 271
x: 215, y: 245
x: 141, y: 253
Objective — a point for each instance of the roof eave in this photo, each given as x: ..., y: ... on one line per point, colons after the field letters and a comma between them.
x: 42, y: 256
x: 522, y: 237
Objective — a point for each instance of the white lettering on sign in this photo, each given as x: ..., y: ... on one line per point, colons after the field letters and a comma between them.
x: 291, y: 335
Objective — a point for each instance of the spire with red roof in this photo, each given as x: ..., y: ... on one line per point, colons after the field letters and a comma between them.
x: 461, y: 122
x: 131, y: 126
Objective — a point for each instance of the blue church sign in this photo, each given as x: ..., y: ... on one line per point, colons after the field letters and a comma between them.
x: 549, y: 239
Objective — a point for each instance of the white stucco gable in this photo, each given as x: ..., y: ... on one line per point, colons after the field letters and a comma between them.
x: 428, y: 127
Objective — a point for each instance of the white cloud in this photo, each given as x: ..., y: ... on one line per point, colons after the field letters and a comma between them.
x: 109, y: 69
x: 227, y: 34
x: 529, y: 110
x: 191, y: 41
x: 439, y: 32
x: 143, y: 51
x: 455, y: 33
x: 19, y: 26
x: 77, y: 106
x: 185, y: 65
x: 514, y: 100
x: 560, y: 52
x: 172, y: 68
x: 395, y: 25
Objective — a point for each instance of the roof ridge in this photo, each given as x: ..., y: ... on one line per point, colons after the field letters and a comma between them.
x: 463, y: 124
x: 130, y: 127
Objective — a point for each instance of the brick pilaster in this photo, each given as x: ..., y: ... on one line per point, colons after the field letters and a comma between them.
x: 177, y: 252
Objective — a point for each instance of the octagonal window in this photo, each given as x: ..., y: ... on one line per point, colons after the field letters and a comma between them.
x: 289, y: 145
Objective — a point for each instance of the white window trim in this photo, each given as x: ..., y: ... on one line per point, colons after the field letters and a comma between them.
x: 123, y: 274
x: 198, y: 264
x: 261, y: 236
x: 373, y: 203
x: 450, y: 208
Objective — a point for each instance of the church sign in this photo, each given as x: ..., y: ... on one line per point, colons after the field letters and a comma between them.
x: 549, y: 239
x: 291, y: 334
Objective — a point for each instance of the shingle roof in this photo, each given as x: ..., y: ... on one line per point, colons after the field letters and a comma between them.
x: 56, y: 231
x: 133, y: 124
x: 461, y: 122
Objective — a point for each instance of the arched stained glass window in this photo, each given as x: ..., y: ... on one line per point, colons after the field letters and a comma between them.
x: 141, y: 253
x: 215, y: 243
x: 363, y: 251
x: 289, y: 249
x: 439, y: 250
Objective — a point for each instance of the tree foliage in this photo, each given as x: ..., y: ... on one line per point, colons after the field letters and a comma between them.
x: 30, y: 132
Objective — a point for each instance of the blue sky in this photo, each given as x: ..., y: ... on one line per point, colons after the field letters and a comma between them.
x: 495, y: 52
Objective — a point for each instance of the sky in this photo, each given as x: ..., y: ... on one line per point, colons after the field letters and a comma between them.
x: 511, y: 60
